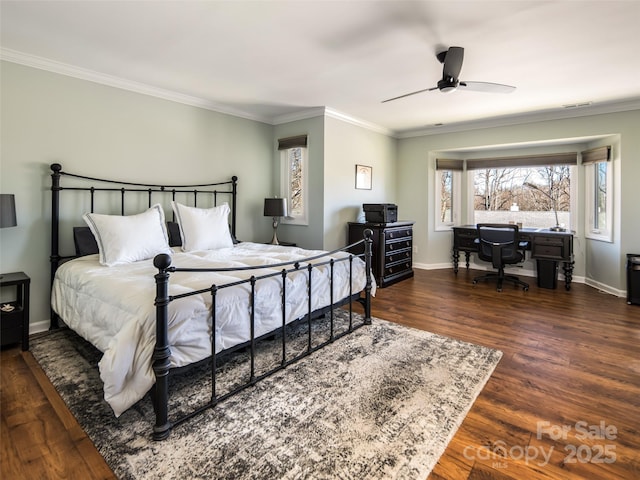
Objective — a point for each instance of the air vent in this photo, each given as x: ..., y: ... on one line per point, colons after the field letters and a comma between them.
x: 577, y: 105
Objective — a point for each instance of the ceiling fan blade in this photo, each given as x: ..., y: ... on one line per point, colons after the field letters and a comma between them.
x: 409, y: 94
x: 453, y: 62
x: 486, y: 87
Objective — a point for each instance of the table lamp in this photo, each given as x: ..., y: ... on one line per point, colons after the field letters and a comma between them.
x: 276, y: 208
x: 7, y: 210
x: 7, y: 215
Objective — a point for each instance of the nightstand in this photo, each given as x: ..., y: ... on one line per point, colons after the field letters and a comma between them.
x: 287, y: 244
x: 282, y: 243
x: 15, y: 323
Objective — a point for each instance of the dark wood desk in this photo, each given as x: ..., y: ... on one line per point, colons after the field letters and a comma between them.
x: 544, y: 245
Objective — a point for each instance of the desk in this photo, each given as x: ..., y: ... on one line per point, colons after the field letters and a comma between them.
x: 544, y: 245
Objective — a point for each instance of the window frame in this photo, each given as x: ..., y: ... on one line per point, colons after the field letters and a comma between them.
x: 592, y: 230
x: 456, y: 199
x: 573, y: 204
x: 286, y: 185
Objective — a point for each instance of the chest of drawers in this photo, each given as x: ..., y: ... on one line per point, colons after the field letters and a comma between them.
x: 392, y: 249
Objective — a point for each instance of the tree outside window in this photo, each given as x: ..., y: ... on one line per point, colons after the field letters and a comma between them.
x: 538, y: 197
x: 294, y: 184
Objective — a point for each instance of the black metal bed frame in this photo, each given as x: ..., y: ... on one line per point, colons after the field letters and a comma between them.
x: 162, y: 350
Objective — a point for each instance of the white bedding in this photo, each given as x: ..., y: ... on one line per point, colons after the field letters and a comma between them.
x: 113, y: 308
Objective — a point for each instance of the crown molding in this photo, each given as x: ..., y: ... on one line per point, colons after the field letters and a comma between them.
x: 519, y: 119
x: 298, y: 115
x: 332, y: 113
x: 41, y: 63
x: 53, y: 66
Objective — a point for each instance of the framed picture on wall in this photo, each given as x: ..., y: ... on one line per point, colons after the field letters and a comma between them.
x: 363, y: 177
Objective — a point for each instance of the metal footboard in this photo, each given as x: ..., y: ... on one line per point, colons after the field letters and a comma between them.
x: 162, y: 351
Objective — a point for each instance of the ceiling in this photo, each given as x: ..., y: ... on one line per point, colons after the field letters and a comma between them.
x: 273, y: 60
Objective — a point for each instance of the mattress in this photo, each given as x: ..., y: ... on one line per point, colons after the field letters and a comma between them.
x: 113, y: 307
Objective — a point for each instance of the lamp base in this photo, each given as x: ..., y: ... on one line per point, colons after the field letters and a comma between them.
x: 274, y: 240
x: 558, y: 228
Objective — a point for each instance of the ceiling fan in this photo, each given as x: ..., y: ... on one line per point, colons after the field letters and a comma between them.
x: 452, y: 64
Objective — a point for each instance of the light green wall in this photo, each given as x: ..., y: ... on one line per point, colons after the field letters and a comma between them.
x: 600, y: 262
x: 334, y: 148
x: 98, y: 130
x: 345, y: 146
x: 311, y: 235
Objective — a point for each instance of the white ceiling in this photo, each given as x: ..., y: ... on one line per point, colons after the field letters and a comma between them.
x: 272, y: 60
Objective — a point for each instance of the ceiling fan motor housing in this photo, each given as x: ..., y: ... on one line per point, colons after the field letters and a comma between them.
x: 447, y: 84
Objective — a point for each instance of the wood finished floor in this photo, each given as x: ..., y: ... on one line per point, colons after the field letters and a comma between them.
x: 569, y: 357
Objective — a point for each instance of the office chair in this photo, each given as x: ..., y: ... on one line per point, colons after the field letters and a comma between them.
x: 498, y: 243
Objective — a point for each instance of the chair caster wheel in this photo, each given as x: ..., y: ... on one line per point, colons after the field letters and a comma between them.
x: 475, y: 282
x: 526, y: 289
x: 498, y: 289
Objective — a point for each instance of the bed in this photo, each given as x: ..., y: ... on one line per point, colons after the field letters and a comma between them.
x: 162, y: 284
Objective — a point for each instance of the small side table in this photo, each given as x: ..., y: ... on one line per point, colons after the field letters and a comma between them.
x: 15, y: 323
x: 282, y: 243
x: 287, y: 244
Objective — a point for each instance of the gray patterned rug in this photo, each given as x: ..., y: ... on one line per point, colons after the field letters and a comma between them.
x: 381, y: 403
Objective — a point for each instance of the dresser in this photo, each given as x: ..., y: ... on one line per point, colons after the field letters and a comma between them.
x: 392, y: 249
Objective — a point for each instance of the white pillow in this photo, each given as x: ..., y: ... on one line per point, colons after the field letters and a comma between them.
x: 203, y: 228
x: 129, y: 238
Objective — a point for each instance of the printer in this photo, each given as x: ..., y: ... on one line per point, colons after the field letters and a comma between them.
x: 380, y: 212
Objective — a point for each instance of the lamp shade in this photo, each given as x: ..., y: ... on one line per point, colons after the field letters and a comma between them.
x: 275, y: 207
x: 7, y: 210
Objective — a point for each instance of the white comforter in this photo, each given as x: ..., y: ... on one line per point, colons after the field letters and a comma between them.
x: 113, y: 308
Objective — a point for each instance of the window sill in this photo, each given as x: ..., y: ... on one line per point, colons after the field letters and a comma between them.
x: 601, y: 237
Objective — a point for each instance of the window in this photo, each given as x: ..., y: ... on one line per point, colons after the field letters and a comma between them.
x: 447, y: 201
x: 294, y: 178
x: 535, y: 191
x: 598, y: 193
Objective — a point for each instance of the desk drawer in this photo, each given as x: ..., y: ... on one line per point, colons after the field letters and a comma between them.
x: 467, y: 242
x: 550, y: 247
x: 548, y: 251
x: 541, y: 240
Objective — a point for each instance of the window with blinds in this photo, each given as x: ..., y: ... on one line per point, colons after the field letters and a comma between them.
x: 294, y: 178
x: 598, y: 193
x: 447, y: 190
x: 532, y: 190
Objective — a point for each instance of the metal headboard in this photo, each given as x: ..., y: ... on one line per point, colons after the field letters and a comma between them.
x: 227, y: 189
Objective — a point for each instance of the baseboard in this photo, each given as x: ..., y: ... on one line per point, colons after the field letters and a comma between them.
x: 605, y: 288
x: 39, y: 327
x: 525, y: 272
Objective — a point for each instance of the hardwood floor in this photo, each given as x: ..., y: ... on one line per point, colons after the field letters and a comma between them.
x: 563, y: 403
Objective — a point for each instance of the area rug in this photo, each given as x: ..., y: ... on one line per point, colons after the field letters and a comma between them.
x: 380, y: 403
